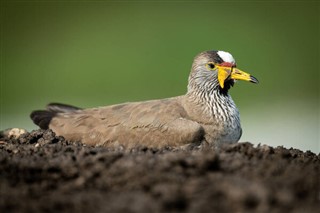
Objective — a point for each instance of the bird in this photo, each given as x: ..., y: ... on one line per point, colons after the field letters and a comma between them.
x: 205, y: 115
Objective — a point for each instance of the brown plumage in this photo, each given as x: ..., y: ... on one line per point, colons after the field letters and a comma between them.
x: 205, y: 115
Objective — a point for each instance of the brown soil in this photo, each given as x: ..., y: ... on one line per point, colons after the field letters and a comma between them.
x: 40, y: 172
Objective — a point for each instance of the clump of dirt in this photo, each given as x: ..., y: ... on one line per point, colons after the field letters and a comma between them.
x: 40, y: 172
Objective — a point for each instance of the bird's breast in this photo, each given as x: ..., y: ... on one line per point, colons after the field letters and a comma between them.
x: 227, y: 118
x: 218, y: 115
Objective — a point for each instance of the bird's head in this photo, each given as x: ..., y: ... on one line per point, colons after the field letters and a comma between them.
x: 220, y: 68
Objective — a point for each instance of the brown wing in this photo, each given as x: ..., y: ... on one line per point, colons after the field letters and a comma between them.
x: 156, y: 123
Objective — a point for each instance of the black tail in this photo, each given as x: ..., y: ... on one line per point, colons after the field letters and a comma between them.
x: 42, y: 118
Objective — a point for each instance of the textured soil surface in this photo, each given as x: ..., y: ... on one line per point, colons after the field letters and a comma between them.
x: 40, y: 172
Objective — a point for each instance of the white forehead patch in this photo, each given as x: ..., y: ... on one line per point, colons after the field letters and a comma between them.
x: 226, y: 57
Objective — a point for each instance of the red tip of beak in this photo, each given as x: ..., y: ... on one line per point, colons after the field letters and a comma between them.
x: 227, y: 64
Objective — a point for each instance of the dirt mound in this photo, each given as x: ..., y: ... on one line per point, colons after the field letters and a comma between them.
x: 41, y: 172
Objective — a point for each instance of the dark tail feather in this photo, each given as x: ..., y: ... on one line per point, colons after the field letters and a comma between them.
x: 56, y: 107
x: 42, y: 118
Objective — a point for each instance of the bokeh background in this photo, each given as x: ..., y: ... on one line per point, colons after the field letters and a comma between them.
x: 99, y: 53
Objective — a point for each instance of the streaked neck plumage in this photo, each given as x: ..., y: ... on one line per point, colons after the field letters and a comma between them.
x: 204, y: 88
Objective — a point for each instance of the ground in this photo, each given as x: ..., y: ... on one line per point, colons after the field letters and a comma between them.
x: 40, y: 172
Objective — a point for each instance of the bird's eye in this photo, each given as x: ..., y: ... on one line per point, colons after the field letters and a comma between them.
x: 210, y: 66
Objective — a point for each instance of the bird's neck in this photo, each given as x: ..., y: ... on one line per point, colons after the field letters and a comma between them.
x: 213, y: 105
x: 205, y: 95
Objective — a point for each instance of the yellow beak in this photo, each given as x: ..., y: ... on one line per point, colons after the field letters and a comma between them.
x: 233, y: 73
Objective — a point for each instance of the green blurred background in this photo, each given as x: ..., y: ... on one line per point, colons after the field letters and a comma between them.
x: 98, y: 53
